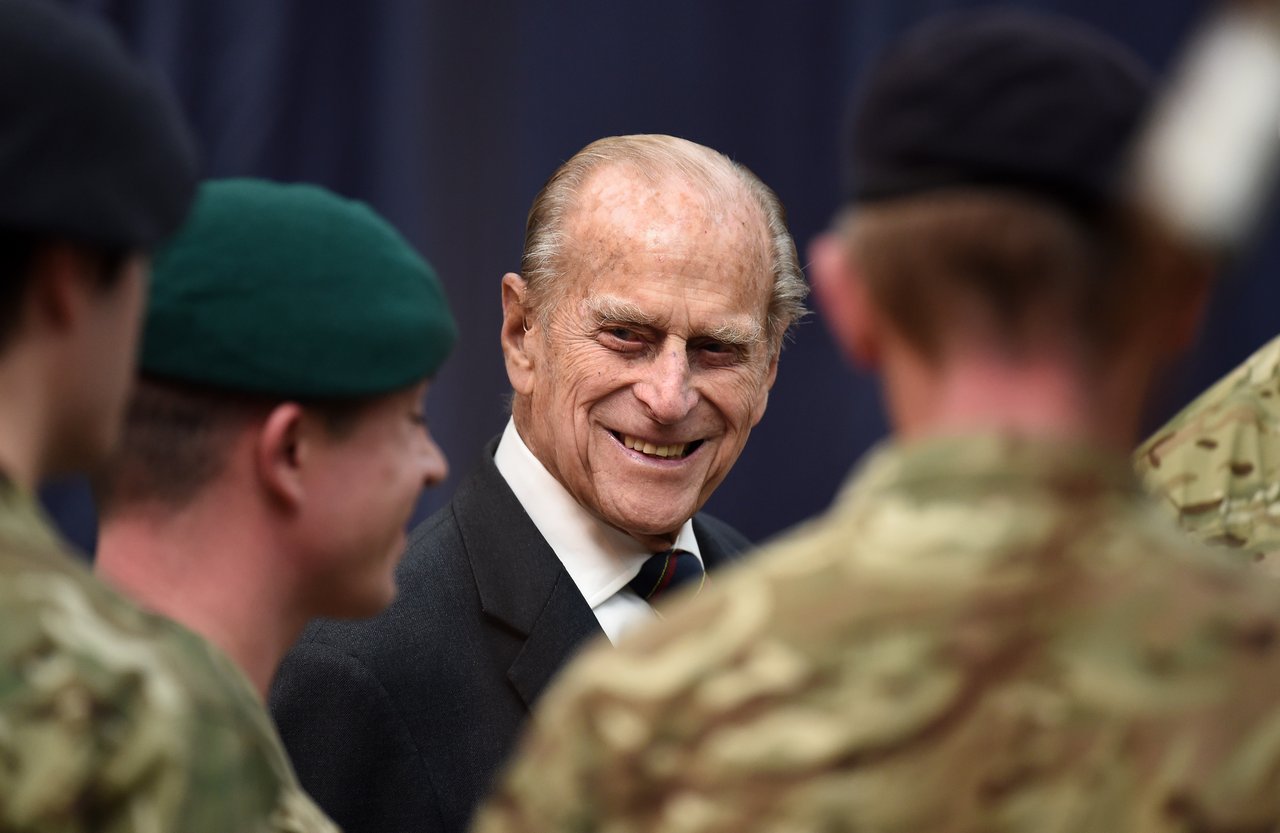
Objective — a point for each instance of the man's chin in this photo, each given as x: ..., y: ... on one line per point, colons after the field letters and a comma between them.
x: 650, y: 526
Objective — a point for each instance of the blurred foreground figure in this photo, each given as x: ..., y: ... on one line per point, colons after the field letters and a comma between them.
x: 110, y: 718
x: 1217, y: 462
x: 276, y: 445
x: 993, y: 629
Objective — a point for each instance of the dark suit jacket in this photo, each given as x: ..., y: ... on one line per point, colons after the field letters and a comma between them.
x: 399, y: 723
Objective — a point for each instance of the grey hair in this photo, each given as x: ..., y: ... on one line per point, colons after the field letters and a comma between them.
x: 656, y: 156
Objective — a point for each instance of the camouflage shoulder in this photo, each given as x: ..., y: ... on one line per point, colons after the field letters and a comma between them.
x: 1216, y: 464
x: 103, y: 721
x: 1157, y: 692
x: 901, y: 675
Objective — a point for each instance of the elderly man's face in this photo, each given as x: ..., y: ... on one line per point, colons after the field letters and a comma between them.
x: 656, y: 363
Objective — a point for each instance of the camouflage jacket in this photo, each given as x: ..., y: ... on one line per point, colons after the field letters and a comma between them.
x: 1217, y: 463
x: 114, y: 720
x: 982, y: 635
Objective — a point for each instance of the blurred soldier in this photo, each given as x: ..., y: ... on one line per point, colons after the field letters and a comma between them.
x: 110, y: 719
x: 993, y: 629
x: 1217, y: 462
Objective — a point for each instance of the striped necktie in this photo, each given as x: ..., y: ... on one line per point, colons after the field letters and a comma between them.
x: 666, y: 570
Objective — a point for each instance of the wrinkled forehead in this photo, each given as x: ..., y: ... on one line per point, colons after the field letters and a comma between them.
x: 627, y: 221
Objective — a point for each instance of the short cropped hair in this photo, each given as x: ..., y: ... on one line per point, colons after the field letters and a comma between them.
x: 658, y: 156
x: 177, y: 436
x: 1004, y: 266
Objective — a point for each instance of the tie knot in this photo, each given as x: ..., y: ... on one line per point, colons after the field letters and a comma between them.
x: 664, y: 571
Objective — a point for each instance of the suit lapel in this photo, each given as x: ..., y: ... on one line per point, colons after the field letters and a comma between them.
x: 565, y: 624
x: 520, y: 580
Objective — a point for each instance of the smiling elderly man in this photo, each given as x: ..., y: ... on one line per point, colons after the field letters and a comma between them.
x: 641, y: 339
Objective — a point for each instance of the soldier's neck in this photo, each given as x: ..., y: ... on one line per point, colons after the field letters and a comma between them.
x: 26, y: 418
x: 1044, y: 397
x: 210, y: 573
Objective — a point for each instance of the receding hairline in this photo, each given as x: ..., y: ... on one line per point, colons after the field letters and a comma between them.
x: 720, y: 188
x: 655, y: 157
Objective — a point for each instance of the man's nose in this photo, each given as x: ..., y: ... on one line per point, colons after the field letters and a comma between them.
x: 435, y: 466
x: 666, y: 389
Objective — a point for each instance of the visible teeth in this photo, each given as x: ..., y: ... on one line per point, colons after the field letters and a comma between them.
x: 676, y: 450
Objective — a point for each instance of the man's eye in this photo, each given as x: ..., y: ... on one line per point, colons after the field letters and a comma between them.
x: 623, y: 334
x: 719, y: 350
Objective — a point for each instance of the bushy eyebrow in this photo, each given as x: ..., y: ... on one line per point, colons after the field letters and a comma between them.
x: 604, y: 309
x: 738, y: 333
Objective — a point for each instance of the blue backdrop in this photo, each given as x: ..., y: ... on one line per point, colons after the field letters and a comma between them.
x: 447, y: 116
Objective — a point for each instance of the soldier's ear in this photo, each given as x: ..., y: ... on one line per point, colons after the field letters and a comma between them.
x: 60, y: 285
x: 520, y: 337
x: 280, y: 453
x: 845, y: 301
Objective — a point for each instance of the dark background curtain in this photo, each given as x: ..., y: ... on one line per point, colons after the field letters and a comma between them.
x: 447, y: 116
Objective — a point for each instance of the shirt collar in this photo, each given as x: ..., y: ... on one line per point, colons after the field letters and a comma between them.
x: 599, y: 558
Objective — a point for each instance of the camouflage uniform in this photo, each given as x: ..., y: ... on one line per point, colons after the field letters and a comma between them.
x: 115, y: 720
x: 1217, y: 463
x: 984, y: 634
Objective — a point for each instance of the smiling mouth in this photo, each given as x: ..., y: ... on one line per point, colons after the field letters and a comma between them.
x: 675, y: 451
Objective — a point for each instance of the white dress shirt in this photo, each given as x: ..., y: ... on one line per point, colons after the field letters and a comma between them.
x: 600, y: 559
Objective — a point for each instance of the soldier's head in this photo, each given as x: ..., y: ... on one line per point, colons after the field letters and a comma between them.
x: 988, y: 209
x: 642, y: 337
x: 288, y: 345
x: 96, y: 167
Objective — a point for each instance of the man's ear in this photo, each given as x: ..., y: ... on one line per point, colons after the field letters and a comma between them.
x: 61, y: 280
x: 845, y: 301
x: 519, y: 349
x: 281, y: 452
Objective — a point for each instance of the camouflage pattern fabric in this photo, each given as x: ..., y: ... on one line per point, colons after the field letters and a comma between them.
x: 114, y: 720
x: 1217, y: 463
x: 983, y: 635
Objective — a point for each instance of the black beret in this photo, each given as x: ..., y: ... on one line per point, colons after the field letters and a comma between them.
x: 91, y: 147
x: 1001, y: 98
x: 292, y: 290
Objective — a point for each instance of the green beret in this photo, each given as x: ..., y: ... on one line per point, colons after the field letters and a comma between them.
x: 291, y: 290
